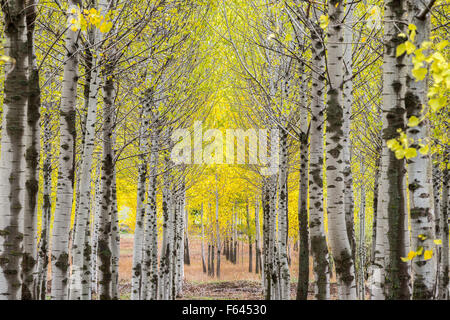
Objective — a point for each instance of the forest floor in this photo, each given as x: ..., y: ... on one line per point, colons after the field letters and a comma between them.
x: 235, y: 282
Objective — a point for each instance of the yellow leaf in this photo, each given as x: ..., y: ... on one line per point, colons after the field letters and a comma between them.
x: 404, y: 259
x: 401, y: 49
x: 438, y: 56
x: 420, y: 73
x: 410, y: 47
x: 393, y: 144
x: 419, y: 252
x: 412, y: 27
x: 7, y: 59
x: 426, y: 44
x: 438, y: 242
x: 425, y: 149
x: 411, y: 153
x: 413, y: 121
x: 422, y: 237
x: 441, y: 45
x: 428, y: 254
x: 400, y: 154
x: 435, y: 105
x: 288, y: 37
x: 410, y: 256
x: 105, y: 27
x: 323, y: 21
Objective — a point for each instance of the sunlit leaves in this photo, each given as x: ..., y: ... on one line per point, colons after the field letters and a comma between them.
x: 401, y: 147
x: 420, y: 73
x: 424, y: 149
x: 87, y: 19
x: 7, y: 59
x: 413, y: 121
x: 413, y: 32
x: 422, y: 237
x: 428, y: 255
x: 411, y: 255
x: 407, y: 47
x: 323, y: 20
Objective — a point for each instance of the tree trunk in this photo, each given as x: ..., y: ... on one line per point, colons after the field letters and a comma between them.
x: 187, y: 256
x: 217, y: 228
x: 319, y: 247
x: 339, y: 242
x: 166, y: 250
x: 104, y: 253
x: 40, y: 281
x: 362, y: 238
x: 250, y: 246
x: 303, y: 268
x: 94, y: 240
x: 212, y: 260
x: 258, y: 262
x: 136, y: 284
x: 420, y: 172
x: 12, y: 160
x: 444, y: 272
x: 64, y: 193
x: 203, y: 236
x: 32, y: 142
x: 209, y: 259
x: 81, y: 243
x: 347, y: 103
x: 115, y: 243
x: 392, y: 194
x: 151, y: 222
x: 285, y: 277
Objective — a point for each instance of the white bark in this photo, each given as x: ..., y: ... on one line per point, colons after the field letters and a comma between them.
x: 347, y: 103
x: 81, y: 245
x: 136, y: 277
x: 285, y: 277
x: 115, y: 243
x: 12, y: 160
x: 40, y: 281
x: 420, y: 173
x: 64, y: 194
x: 390, y: 274
x: 339, y: 242
x: 32, y: 152
x: 150, y: 253
x: 216, y: 193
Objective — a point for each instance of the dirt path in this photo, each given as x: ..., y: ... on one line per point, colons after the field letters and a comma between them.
x: 236, y: 283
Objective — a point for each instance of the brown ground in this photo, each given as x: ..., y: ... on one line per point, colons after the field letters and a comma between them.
x: 235, y: 282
